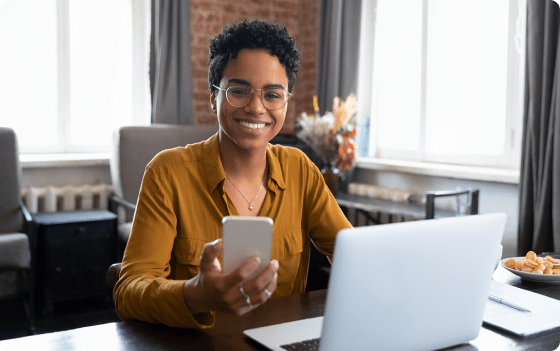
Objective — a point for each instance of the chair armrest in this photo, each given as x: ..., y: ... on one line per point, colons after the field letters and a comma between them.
x: 443, y: 193
x: 113, y: 274
x: 29, y: 224
x: 26, y: 215
x: 115, y: 201
x: 431, y: 196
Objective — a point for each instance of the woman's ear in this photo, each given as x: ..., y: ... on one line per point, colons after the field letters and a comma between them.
x: 213, y: 101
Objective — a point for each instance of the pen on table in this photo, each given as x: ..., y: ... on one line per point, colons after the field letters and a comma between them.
x: 507, y: 303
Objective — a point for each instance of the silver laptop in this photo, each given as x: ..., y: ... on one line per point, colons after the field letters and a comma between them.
x: 419, y: 285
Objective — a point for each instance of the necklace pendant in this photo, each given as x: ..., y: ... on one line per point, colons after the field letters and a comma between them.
x: 250, y: 207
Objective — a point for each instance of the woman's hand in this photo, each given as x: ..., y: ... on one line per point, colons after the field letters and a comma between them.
x: 212, y: 290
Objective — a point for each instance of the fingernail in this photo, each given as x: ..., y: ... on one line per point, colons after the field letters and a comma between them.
x: 214, y: 242
x: 276, y: 276
x: 257, y: 261
x: 276, y: 265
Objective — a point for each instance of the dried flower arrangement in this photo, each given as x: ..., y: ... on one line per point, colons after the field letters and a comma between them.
x: 332, y: 136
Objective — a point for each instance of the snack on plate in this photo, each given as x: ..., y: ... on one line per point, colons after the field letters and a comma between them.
x: 510, y: 263
x: 533, y: 264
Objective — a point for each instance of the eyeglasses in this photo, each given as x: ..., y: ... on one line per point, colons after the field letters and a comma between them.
x: 240, y: 96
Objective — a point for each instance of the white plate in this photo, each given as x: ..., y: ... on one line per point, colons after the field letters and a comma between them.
x: 531, y: 276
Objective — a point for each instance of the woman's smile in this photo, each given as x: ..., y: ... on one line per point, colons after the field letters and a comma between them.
x: 251, y: 125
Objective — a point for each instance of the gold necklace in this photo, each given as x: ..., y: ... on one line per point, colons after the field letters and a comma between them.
x: 249, y: 202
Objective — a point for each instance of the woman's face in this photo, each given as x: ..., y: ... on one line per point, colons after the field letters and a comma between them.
x: 252, y: 126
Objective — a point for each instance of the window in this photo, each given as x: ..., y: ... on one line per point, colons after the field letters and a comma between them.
x: 73, y: 71
x: 446, y: 80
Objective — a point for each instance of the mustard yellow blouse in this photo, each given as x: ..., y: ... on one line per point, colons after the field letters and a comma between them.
x: 180, y: 208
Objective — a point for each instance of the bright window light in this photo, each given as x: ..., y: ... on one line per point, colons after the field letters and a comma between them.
x: 29, y: 72
x: 447, y: 81
x: 73, y: 71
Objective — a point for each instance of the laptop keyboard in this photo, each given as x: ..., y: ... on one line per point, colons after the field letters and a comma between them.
x: 306, y: 345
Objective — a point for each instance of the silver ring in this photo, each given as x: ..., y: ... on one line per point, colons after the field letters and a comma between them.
x: 247, y: 297
x: 268, y: 293
x: 243, y: 293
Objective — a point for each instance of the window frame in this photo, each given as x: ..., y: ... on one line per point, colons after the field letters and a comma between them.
x: 367, y: 121
x: 141, y: 101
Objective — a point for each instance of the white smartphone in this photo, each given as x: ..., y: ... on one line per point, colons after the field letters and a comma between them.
x: 244, y: 237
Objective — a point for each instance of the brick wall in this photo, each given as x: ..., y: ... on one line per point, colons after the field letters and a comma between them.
x: 301, y: 17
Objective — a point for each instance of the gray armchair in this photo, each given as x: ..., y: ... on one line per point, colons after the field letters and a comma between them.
x: 133, y: 148
x: 15, y: 220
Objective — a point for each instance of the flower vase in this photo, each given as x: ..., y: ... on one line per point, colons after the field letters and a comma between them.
x: 332, y: 178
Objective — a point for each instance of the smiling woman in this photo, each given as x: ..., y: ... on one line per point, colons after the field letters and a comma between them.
x: 171, y: 270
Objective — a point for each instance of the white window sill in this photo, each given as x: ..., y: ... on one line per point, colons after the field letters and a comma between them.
x: 64, y: 160
x: 499, y: 175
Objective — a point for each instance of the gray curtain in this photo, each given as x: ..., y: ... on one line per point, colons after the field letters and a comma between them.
x: 339, y: 42
x: 539, y: 189
x: 170, y: 62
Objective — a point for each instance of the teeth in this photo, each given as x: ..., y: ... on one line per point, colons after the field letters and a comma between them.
x: 252, y: 125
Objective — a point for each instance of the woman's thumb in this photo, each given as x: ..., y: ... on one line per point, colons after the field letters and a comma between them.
x: 210, y: 251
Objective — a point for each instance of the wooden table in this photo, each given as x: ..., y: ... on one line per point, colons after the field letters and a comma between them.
x: 227, y: 334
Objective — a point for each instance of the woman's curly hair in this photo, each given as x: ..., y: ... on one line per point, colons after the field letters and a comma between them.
x: 254, y: 34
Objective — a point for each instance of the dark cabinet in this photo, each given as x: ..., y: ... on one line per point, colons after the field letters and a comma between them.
x: 71, y: 254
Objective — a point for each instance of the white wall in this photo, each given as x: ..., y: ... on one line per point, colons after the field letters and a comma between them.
x: 66, y: 175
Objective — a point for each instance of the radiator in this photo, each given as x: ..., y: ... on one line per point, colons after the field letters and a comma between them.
x: 67, y: 198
